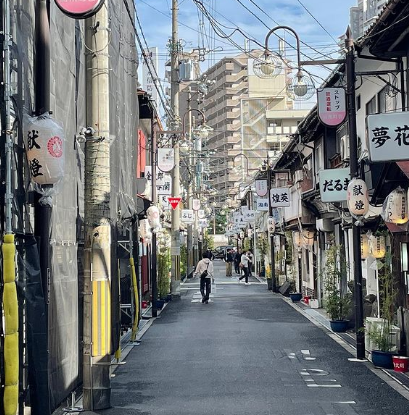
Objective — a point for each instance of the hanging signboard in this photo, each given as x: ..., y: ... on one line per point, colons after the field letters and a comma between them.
x: 201, y: 214
x: 163, y: 181
x: 166, y: 159
x: 203, y: 223
x: 261, y: 187
x: 187, y: 216
x: 262, y: 204
x: 79, y: 9
x: 280, y: 197
x: 244, y: 209
x: 388, y: 136
x: 196, y: 204
x: 250, y: 215
x: 331, y: 106
x: 334, y: 185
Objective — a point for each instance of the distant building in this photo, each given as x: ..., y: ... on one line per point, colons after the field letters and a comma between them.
x: 364, y: 15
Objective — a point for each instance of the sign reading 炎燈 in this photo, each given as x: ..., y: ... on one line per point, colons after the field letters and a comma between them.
x: 334, y: 185
x: 331, y: 106
x: 388, y: 136
x: 79, y: 9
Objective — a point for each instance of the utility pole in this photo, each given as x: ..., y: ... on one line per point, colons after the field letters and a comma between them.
x: 355, y: 173
x: 174, y: 100
x: 190, y: 188
x: 97, y: 256
x: 270, y: 214
x: 154, y: 203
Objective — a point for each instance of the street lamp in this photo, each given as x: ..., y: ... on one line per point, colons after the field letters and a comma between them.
x: 301, y: 87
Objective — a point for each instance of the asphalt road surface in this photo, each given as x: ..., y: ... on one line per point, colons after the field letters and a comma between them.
x: 248, y: 351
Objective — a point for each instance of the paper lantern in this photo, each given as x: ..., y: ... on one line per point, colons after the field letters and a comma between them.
x: 396, y: 209
x: 242, y: 235
x: 357, y: 197
x: 271, y: 225
x: 153, y: 216
x: 378, y: 246
x: 143, y: 228
x: 44, y: 139
x: 365, y: 248
x: 308, y: 237
x: 249, y: 233
x: 297, y: 239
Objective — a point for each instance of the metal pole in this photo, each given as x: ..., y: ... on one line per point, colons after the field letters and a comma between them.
x: 97, y: 252
x: 270, y: 213
x: 175, y: 242
x: 154, y: 202
x: 355, y: 173
x: 190, y: 187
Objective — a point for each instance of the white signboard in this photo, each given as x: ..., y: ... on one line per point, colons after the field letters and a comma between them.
x: 148, y: 82
x: 166, y: 159
x: 196, y: 204
x: 244, y: 209
x: 334, y: 185
x: 388, y: 136
x: 164, y: 202
x: 203, y: 223
x: 163, y: 181
x: 261, y: 187
x: 201, y: 214
x: 262, y: 204
x: 250, y: 216
x: 280, y: 197
x: 331, y: 106
x: 187, y: 216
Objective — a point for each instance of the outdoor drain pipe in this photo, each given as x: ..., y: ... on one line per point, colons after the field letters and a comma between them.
x: 10, y: 303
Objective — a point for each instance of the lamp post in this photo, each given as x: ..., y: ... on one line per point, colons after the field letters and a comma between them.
x: 300, y: 89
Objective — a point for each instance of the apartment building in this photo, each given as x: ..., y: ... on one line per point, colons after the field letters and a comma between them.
x: 251, y: 117
x: 364, y: 15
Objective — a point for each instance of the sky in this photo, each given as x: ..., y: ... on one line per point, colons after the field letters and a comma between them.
x: 318, y: 23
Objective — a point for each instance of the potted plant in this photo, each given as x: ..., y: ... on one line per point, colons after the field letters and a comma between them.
x: 337, y: 301
x: 163, y: 277
x: 269, y: 278
x: 294, y: 295
x: 380, y: 333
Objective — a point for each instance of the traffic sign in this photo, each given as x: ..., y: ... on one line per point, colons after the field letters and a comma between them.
x: 174, y: 201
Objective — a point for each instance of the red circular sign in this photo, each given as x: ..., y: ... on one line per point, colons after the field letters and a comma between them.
x: 79, y: 9
x: 54, y: 146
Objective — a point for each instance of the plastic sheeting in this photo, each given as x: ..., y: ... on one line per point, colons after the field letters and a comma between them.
x: 55, y: 318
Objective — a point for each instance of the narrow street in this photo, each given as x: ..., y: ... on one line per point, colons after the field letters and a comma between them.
x: 248, y: 351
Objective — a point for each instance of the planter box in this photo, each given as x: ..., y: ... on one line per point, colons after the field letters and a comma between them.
x: 295, y: 297
x: 315, y: 303
x: 382, y: 359
x: 339, y: 326
x: 269, y: 284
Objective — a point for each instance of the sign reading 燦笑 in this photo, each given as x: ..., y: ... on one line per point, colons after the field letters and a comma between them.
x: 388, y: 136
x: 280, y: 197
x: 334, y: 185
x: 331, y: 106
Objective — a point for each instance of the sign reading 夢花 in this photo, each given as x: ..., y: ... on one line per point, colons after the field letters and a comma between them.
x: 334, y: 185
x: 331, y: 106
x: 388, y: 136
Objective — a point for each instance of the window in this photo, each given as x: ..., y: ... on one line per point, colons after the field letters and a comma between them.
x: 371, y: 106
x: 358, y: 102
x: 382, y: 94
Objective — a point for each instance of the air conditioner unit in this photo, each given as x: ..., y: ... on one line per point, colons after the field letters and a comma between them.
x: 298, y: 176
x: 344, y: 148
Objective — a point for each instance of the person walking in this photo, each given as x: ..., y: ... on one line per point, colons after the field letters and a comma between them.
x: 237, y: 259
x: 204, y: 270
x: 244, y: 261
x: 229, y: 258
x: 251, y: 260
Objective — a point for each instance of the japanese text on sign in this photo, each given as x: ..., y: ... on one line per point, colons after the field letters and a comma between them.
x: 331, y: 106
x: 280, y: 197
x: 388, y: 136
x: 334, y: 185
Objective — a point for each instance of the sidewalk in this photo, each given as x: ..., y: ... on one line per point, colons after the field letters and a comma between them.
x: 319, y: 316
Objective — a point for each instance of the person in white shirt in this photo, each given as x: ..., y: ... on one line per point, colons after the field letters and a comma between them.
x: 244, y: 261
x: 204, y: 270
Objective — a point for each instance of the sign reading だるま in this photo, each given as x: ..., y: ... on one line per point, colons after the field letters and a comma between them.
x: 79, y: 9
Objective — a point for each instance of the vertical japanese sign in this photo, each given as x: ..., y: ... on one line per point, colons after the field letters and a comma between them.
x: 261, y: 187
x: 331, y: 106
x: 388, y: 136
x: 166, y: 159
x: 148, y: 82
x: 334, y: 185
x: 163, y: 181
x: 280, y: 197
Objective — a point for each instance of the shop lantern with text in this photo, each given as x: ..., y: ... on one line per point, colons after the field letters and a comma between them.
x: 357, y: 199
x: 395, y: 209
x: 297, y: 239
x: 44, y: 140
x: 307, y: 237
x: 143, y: 228
x: 365, y: 248
x: 378, y: 246
x: 271, y: 225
